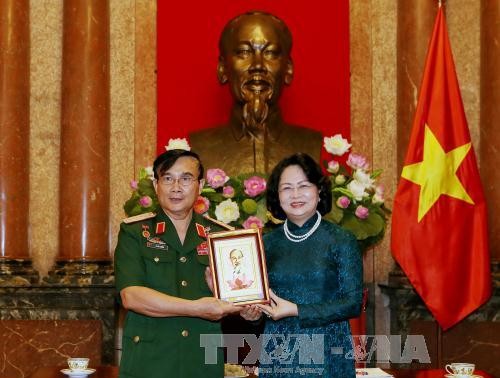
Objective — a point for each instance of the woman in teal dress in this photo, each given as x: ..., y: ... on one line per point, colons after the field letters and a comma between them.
x: 315, y: 273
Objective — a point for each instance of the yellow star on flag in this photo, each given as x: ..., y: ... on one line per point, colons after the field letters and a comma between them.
x: 436, y: 174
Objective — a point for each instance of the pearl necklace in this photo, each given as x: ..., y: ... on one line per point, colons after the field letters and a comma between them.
x: 301, y: 238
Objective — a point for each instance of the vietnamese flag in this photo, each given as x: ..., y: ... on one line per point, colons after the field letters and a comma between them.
x: 439, y: 229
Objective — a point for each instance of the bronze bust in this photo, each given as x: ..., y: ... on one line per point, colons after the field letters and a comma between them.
x: 255, y: 61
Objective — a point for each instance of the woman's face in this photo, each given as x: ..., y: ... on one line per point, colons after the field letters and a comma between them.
x: 298, y: 197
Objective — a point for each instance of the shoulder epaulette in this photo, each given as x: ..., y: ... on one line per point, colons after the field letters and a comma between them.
x: 137, y: 218
x: 222, y: 224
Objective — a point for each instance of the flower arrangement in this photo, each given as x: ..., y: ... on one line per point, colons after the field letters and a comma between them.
x: 358, y: 201
x: 143, y: 198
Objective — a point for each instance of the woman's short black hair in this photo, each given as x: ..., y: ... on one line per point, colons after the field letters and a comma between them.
x: 167, y: 159
x: 314, y: 175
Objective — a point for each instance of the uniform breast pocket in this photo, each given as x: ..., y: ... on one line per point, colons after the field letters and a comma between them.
x: 160, y: 270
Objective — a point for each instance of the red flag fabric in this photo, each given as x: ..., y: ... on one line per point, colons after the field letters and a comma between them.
x: 439, y: 229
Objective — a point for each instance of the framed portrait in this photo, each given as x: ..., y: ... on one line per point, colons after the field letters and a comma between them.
x: 238, y: 266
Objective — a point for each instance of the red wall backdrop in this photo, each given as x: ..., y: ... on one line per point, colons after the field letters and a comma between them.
x: 189, y: 95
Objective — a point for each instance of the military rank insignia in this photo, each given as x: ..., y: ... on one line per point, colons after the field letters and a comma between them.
x: 160, y: 228
x: 202, y: 230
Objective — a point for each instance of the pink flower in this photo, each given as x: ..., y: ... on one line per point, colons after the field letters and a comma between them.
x: 333, y: 166
x: 145, y: 201
x: 343, y: 202
x: 356, y: 161
x: 254, y: 186
x: 133, y: 184
x: 253, y: 222
x: 228, y: 192
x: 216, y: 177
x: 362, y: 212
x: 378, y: 197
x: 201, y: 205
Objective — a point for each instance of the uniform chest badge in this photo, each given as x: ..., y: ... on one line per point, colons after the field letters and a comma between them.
x: 202, y: 249
x: 156, y: 243
x: 145, y: 231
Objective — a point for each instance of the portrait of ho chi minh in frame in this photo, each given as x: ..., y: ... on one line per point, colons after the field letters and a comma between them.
x: 238, y: 265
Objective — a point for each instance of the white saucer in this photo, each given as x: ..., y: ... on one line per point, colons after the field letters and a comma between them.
x: 456, y: 375
x: 77, y: 373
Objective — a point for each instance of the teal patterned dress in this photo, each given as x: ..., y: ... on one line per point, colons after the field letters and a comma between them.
x: 323, y: 275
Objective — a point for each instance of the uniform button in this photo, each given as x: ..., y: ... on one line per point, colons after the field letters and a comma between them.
x: 185, y: 333
x: 183, y: 259
x: 156, y: 259
x: 184, y: 283
x: 136, y: 339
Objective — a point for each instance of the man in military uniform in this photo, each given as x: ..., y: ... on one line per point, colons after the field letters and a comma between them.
x: 160, y: 268
x: 255, y: 61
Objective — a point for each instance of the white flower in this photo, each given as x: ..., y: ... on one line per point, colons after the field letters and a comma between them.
x: 340, y: 179
x: 336, y: 145
x: 149, y: 172
x: 363, y: 177
x: 227, y: 211
x: 357, y: 189
x: 178, y: 144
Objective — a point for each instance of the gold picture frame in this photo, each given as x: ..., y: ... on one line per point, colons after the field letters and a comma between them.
x: 238, y: 265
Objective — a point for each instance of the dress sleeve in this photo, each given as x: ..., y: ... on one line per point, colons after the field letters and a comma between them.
x: 347, y: 304
x: 129, y: 265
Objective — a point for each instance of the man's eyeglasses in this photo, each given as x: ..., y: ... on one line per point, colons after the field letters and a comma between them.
x: 184, y: 181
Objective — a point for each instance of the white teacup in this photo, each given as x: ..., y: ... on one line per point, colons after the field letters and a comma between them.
x: 78, y: 363
x: 460, y: 369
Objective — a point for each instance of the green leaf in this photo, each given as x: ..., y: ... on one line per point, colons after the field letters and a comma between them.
x: 344, y: 191
x: 261, y: 210
x: 364, y: 228
x: 146, y: 186
x: 214, y: 197
x: 376, y: 173
x: 335, y: 215
x: 143, y: 174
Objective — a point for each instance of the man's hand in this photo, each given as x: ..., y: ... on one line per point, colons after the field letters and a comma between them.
x: 208, y: 279
x: 214, y: 309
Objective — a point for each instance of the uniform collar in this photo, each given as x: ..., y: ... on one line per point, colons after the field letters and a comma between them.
x: 170, y: 235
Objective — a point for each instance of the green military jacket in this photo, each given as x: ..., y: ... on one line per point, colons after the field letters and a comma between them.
x: 149, y: 253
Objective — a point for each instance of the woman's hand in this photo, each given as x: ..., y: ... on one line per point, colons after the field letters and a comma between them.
x: 251, y: 313
x: 279, y: 308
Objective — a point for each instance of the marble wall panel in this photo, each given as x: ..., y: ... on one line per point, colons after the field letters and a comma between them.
x: 122, y: 24
x: 361, y: 93
x: 384, y: 105
x: 464, y: 24
x: 29, y: 344
x: 145, y: 83
x: 45, y: 99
